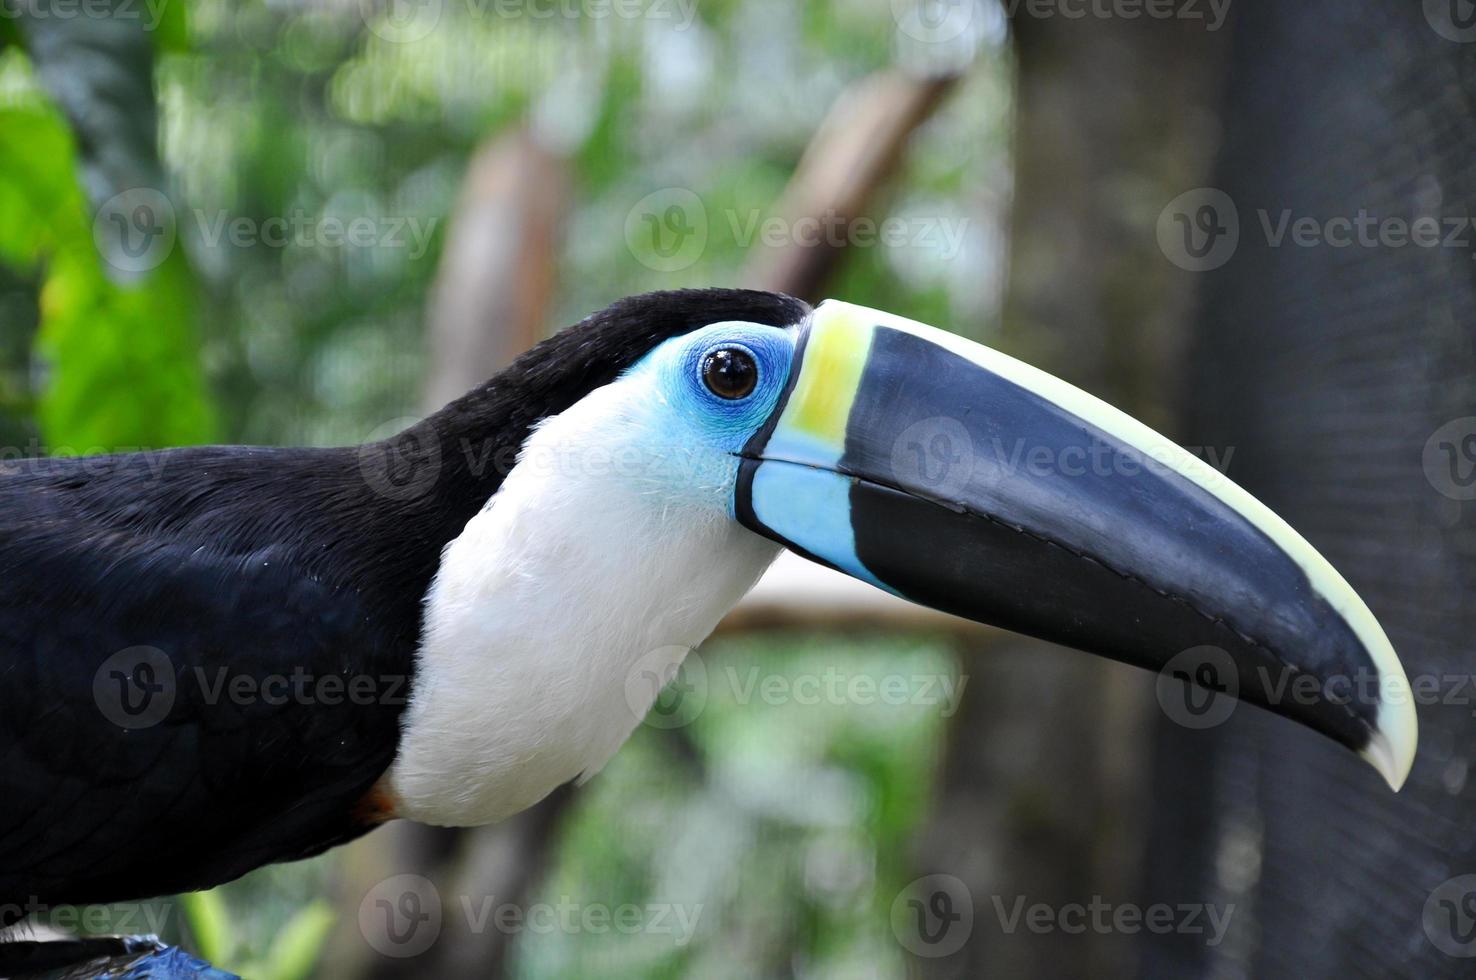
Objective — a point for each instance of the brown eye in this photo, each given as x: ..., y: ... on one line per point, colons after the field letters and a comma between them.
x: 730, y: 372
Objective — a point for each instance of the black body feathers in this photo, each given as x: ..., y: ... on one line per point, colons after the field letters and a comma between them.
x: 272, y: 598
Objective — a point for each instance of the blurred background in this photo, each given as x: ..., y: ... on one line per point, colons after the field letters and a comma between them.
x: 307, y: 222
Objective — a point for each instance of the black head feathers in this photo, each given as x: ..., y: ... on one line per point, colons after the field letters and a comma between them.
x: 558, y: 372
x: 563, y: 369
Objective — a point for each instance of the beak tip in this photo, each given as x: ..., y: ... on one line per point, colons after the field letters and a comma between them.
x: 1391, y: 748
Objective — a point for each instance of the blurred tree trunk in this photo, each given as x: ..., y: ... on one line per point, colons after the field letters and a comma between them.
x: 19, y: 317
x: 1042, y: 791
x: 492, y: 292
x: 853, y: 155
x: 1346, y: 379
x: 100, y: 70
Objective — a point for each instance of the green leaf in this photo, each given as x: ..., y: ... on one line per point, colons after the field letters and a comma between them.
x: 118, y: 342
x: 39, y: 199
x: 209, y: 925
x: 298, y: 946
x: 124, y: 358
x: 171, y: 29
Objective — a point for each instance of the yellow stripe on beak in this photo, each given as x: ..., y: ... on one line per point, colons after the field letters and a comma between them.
x: 830, y: 375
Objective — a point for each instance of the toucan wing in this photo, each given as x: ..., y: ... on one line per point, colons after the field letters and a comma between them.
x: 168, y: 718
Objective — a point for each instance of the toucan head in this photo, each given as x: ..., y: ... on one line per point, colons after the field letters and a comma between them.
x: 957, y: 477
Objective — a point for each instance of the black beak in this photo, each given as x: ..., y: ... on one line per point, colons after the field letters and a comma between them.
x: 964, y: 480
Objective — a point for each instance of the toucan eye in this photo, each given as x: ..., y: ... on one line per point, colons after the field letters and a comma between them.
x: 730, y: 372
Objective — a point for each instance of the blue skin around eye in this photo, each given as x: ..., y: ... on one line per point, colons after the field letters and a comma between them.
x: 805, y: 504
x: 724, y: 424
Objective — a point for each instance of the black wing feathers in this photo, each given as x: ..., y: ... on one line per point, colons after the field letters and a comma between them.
x: 241, y: 768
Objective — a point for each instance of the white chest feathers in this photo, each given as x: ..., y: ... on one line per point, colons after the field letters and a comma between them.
x: 579, y: 568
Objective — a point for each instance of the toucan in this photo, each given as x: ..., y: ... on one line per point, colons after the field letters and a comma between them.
x: 215, y: 658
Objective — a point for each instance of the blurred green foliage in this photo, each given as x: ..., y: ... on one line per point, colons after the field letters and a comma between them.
x: 288, y: 953
x: 120, y: 355
x: 300, y: 112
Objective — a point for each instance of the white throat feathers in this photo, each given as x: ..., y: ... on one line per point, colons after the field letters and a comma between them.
x: 593, y: 554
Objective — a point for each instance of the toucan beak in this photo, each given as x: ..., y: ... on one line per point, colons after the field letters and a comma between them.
x: 962, y: 479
